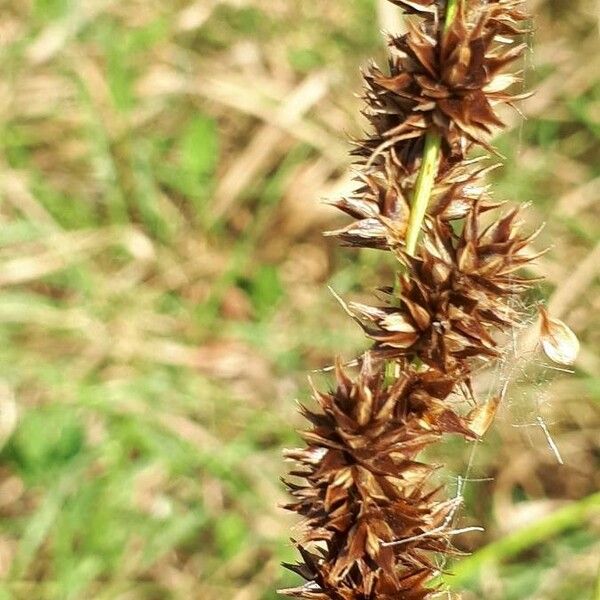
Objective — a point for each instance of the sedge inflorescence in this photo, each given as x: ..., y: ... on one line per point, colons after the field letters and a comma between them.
x: 373, y: 522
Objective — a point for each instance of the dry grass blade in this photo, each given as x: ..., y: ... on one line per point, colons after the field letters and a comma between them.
x: 261, y: 148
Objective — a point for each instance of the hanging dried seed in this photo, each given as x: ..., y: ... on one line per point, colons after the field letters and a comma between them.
x: 480, y: 419
x: 558, y: 341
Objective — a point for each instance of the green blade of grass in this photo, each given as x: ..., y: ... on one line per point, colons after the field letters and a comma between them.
x: 40, y: 524
x: 573, y: 515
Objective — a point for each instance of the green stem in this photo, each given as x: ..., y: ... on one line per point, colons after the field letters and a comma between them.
x: 423, y: 187
x: 451, y: 10
x: 572, y: 515
x: 390, y: 372
x: 429, y: 165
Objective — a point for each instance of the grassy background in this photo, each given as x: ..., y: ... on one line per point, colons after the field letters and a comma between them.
x: 164, y: 293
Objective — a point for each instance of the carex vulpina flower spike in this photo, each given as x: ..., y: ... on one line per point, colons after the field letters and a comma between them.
x: 373, y: 520
x: 454, y: 294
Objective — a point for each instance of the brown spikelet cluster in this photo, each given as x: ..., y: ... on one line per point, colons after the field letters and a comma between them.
x: 454, y: 294
x: 452, y: 82
x: 381, y: 210
x: 365, y: 488
x: 373, y: 522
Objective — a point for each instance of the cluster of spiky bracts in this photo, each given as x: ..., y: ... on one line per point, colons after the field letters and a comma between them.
x: 373, y: 527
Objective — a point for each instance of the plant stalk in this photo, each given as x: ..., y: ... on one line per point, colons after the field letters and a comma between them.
x: 423, y: 188
x: 451, y: 11
x: 429, y: 166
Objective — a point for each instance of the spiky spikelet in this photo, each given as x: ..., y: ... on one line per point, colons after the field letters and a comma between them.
x: 362, y: 487
x: 449, y: 80
x: 455, y: 294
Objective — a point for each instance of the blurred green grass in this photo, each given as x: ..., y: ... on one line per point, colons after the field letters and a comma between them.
x: 164, y: 293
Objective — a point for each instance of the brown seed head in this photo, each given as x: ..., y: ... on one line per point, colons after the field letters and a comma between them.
x: 454, y: 294
x: 362, y: 487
